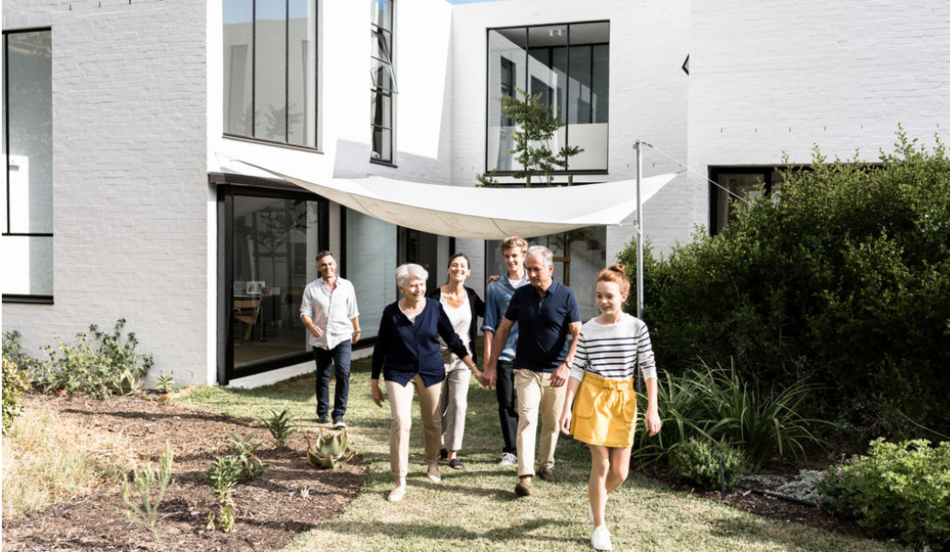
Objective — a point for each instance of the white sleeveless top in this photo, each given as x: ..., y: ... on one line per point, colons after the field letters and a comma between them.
x: 461, y: 319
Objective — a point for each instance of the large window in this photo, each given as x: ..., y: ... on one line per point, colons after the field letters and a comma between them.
x: 370, y: 264
x: 383, y: 80
x: 569, y: 66
x: 733, y: 184
x: 272, y: 241
x: 270, y: 77
x: 27, y: 210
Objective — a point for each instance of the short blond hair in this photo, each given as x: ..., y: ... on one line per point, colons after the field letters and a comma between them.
x: 512, y: 242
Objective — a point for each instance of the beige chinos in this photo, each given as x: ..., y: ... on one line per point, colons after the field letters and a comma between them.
x: 400, y: 401
x: 454, y: 402
x: 536, y: 393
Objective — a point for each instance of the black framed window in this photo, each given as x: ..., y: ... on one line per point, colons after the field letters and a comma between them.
x: 269, y: 239
x: 383, y: 80
x: 738, y: 182
x: 569, y: 65
x: 270, y: 70
x: 27, y: 211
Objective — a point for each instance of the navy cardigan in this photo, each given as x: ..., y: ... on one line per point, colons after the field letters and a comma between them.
x: 404, y: 349
x: 478, y: 311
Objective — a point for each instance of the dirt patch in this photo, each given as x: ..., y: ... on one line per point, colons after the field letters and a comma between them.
x: 293, y: 497
x: 771, y: 508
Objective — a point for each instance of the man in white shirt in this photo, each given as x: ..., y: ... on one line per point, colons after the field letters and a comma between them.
x: 329, y: 312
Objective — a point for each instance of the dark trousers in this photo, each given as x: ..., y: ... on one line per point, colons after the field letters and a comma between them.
x: 507, y: 405
x: 339, y: 356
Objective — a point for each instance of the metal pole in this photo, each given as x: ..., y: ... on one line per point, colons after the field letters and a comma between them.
x: 639, y: 146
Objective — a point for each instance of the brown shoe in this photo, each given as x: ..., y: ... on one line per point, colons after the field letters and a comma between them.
x: 547, y: 474
x: 523, y: 488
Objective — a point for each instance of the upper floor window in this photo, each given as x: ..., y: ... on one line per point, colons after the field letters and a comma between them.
x: 569, y: 65
x: 27, y: 204
x: 270, y: 77
x: 383, y: 79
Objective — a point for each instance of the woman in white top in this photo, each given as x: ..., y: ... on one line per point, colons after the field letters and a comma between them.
x: 604, y: 412
x: 463, y: 307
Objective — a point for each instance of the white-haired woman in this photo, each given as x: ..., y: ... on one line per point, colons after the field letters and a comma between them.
x: 407, y: 351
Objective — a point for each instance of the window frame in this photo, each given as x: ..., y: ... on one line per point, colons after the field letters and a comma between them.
x: 6, y: 232
x: 377, y: 92
x: 228, y: 186
x: 566, y: 115
x: 316, y: 82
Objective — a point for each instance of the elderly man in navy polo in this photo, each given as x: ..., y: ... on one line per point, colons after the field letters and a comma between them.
x: 546, y: 313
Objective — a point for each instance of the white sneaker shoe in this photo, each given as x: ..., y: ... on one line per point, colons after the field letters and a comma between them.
x: 397, y: 494
x: 508, y: 459
x: 600, y: 540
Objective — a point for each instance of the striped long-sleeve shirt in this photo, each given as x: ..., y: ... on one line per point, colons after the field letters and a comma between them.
x: 611, y: 350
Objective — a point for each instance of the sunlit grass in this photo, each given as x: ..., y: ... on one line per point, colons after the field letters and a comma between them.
x: 476, y: 509
x: 49, y: 458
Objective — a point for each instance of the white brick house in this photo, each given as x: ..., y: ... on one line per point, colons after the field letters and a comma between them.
x: 117, y: 115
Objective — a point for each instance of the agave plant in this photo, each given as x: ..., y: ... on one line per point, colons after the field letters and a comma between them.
x: 330, y: 450
x: 127, y: 383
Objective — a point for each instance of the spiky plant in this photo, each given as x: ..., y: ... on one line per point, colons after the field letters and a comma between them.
x: 145, y: 510
x: 246, y: 450
x: 128, y: 383
x: 280, y: 424
x: 164, y: 384
x: 330, y: 450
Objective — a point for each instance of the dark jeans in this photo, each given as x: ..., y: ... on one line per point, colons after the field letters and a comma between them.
x: 339, y: 356
x: 507, y: 405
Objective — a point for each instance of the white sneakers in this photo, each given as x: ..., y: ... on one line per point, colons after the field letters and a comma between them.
x: 397, y: 494
x: 600, y: 540
x: 508, y: 459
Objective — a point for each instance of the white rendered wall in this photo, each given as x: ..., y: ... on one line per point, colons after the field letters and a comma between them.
x: 774, y: 77
x: 648, y: 93
x: 129, y: 177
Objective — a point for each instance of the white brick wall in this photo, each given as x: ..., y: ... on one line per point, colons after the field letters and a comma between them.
x: 130, y: 184
x: 774, y: 77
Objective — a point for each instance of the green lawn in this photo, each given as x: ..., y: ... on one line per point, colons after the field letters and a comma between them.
x: 475, y: 509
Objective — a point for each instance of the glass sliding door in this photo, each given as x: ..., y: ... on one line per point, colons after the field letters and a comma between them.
x: 274, y: 241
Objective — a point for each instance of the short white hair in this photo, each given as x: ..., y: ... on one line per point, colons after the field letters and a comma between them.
x: 410, y: 270
x: 546, y: 254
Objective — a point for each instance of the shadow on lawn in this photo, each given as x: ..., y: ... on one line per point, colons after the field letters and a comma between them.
x: 448, y: 532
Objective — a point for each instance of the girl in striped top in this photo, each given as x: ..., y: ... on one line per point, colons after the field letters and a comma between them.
x: 604, y: 411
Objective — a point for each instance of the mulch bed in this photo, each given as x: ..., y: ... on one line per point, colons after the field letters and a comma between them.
x: 293, y: 496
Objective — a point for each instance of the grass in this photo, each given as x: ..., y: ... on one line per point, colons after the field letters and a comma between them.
x: 48, y: 458
x: 475, y: 509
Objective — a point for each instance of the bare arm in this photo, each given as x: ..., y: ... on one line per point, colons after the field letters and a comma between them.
x: 652, y: 418
x: 573, y: 384
x: 356, y: 329
x: 498, y: 344
x: 562, y: 373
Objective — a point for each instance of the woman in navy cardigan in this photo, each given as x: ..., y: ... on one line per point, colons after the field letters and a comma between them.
x: 407, y: 350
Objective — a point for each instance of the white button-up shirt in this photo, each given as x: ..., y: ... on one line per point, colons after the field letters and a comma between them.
x: 331, y: 312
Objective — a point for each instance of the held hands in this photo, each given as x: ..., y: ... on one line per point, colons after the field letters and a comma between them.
x: 489, y: 376
x: 378, y: 397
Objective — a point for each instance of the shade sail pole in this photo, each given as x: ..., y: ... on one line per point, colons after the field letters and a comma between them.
x: 639, y: 147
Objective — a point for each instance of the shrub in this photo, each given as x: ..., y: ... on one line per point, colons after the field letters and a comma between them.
x: 15, y: 383
x: 223, y: 476
x: 165, y: 384
x: 843, y: 280
x: 715, y: 404
x: 145, y: 510
x: 895, y: 490
x: 698, y: 461
x: 95, y: 363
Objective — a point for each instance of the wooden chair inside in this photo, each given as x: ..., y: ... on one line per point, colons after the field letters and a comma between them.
x: 246, y: 311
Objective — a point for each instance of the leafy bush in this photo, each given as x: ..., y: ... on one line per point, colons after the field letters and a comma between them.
x: 97, y: 364
x: 698, y: 461
x: 15, y: 382
x: 895, y: 490
x: 145, y: 510
x: 715, y: 404
x: 842, y: 279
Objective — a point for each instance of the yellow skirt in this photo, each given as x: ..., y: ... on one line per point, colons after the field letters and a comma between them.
x: 605, y: 412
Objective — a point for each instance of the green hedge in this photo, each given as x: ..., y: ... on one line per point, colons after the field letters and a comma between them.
x: 842, y: 279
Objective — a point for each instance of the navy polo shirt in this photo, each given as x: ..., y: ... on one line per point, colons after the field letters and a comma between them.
x: 543, y: 325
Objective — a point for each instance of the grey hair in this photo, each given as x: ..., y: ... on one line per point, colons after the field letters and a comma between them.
x: 410, y: 270
x: 546, y: 255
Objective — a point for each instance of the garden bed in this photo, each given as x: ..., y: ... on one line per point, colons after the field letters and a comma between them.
x: 293, y: 497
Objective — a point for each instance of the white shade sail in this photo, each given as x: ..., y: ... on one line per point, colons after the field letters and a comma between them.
x: 480, y: 213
